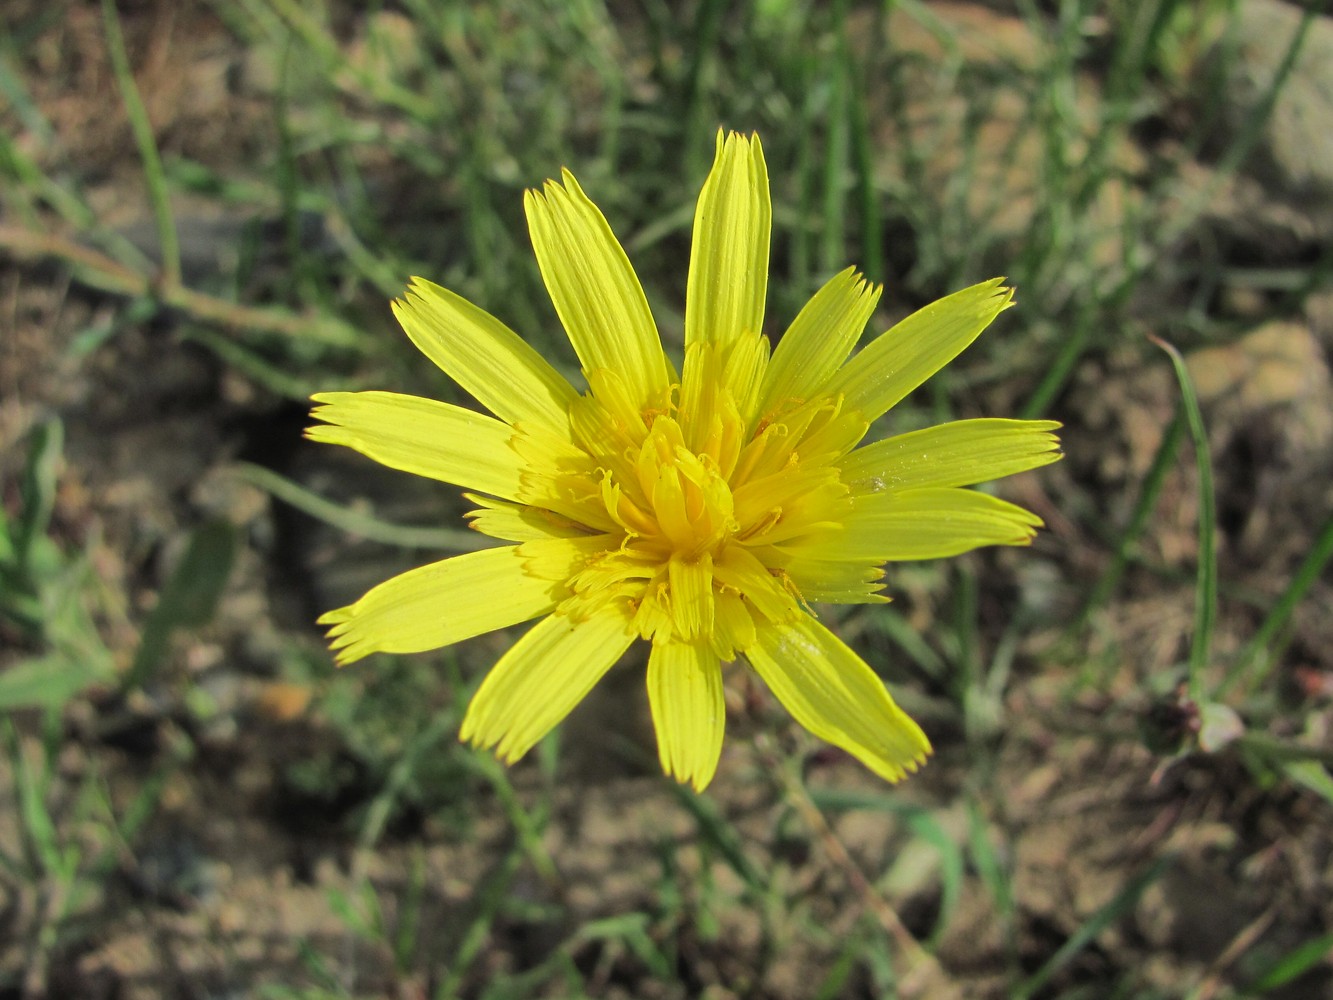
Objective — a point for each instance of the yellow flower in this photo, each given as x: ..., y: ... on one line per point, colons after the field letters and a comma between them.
x: 700, y: 511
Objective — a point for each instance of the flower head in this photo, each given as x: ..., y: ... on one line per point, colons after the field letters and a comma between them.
x: 701, y: 510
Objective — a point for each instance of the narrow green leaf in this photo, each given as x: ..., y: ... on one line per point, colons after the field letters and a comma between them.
x: 714, y: 828
x: 1256, y: 659
x: 1121, y: 904
x: 1149, y: 494
x: 142, y: 127
x: 405, y: 935
x: 1205, y: 602
x: 31, y: 783
x: 189, y: 598
x: 833, y: 227
x: 1293, y: 965
x: 355, y: 523
x: 50, y: 681
x: 986, y: 858
x: 911, y: 641
x: 39, y: 489
x: 1310, y: 774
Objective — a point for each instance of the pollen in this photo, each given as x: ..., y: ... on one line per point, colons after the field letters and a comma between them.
x: 698, y: 501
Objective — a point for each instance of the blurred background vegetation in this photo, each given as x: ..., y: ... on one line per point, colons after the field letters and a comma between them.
x: 204, y: 209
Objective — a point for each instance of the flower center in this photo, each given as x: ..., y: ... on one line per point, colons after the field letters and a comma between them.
x: 698, y: 503
x: 676, y: 504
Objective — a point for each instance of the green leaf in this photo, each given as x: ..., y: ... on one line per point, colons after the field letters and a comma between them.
x: 50, y: 681
x: 32, y: 782
x: 1292, y: 965
x: 39, y: 487
x: 355, y: 522
x: 1205, y: 612
x: 1312, y: 775
x: 189, y: 598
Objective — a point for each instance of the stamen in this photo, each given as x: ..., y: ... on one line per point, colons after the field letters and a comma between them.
x: 680, y: 485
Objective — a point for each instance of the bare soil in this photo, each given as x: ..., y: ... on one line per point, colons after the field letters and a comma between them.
x: 230, y: 885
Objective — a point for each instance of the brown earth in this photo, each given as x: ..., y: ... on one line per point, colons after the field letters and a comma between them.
x: 231, y: 884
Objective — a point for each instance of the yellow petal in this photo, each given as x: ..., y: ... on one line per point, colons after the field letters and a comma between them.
x: 838, y: 435
x: 516, y: 522
x: 559, y: 475
x: 899, y: 360
x: 831, y: 691
x: 691, y: 595
x: 538, y: 682
x: 961, y: 453
x: 701, y: 385
x: 439, y: 604
x: 928, y: 523
x: 421, y: 436
x: 818, y: 341
x: 745, y: 574
x: 559, y: 559
x: 837, y: 581
x: 744, y: 375
x: 729, y: 255
x: 685, y: 694
x: 596, y: 293
x: 485, y: 357
x: 733, y: 625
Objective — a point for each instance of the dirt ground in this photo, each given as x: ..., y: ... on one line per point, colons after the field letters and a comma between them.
x: 234, y: 880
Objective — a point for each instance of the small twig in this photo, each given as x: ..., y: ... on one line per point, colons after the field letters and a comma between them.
x: 102, y: 272
x: 1240, y: 944
x: 923, y: 975
x: 96, y: 268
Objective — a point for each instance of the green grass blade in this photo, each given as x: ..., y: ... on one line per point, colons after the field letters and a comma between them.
x: 154, y: 176
x: 1248, y: 136
x: 274, y: 377
x: 1292, y: 965
x: 832, y: 243
x: 1123, y: 902
x: 891, y: 623
x: 50, y: 681
x: 834, y: 983
x: 702, y: 49
x: 527, y: 826
x: 800, y: 266
x: 714, y: 828
x: 1205, y: 606
x: 1310, y: 774
x: 995, y: 876
x: 1072, y: 346
x: 353, y: 522
x: 1254, y: 659
x: 491, y: 893
x: 41, y: 839
x: 189, y: 598
x: 1143, y: 509
x: 871, y: 261
x: 45, y: 455
x: 406, y: 935
x: 400, y: 775
x: 631, y: 929
x: 924, y: 826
